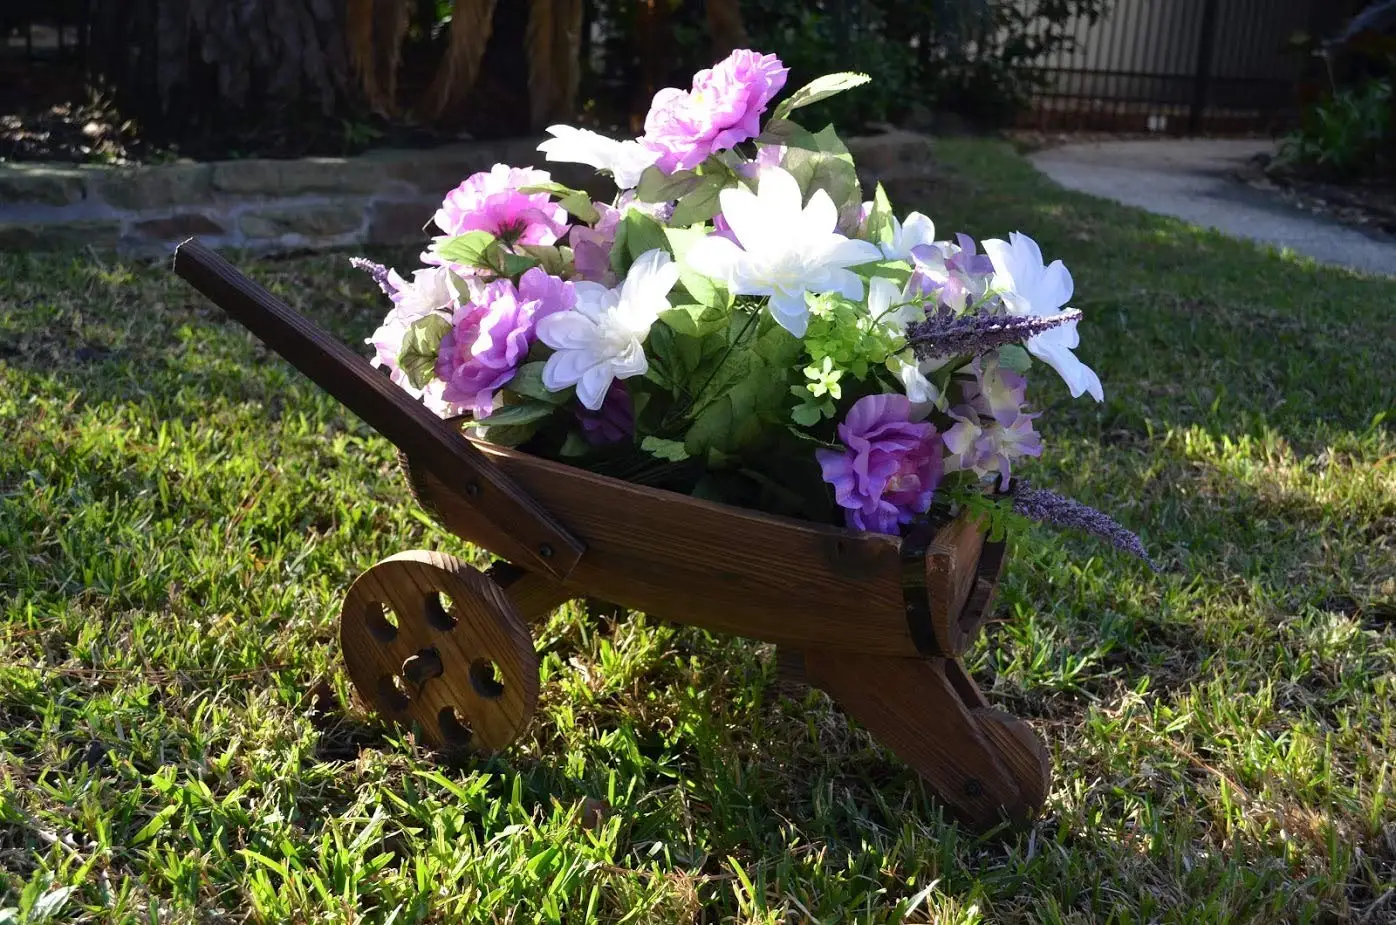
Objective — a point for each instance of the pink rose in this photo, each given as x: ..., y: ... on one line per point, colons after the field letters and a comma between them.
x: 723, y: 109
x: 492, y: 202
x: 491, y: 334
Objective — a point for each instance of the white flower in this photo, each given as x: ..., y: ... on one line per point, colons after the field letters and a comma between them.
x: 786, y: 249
x: 602, y: 338
x: 626, y: 160
x: 889, y: 306
x: 431, y: 290
x: 916, y: 231
x: 1029, y: 288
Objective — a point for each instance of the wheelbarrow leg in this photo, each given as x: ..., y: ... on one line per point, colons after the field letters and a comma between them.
x: 984, y: 765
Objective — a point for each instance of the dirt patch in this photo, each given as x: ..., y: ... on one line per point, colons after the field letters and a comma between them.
x: 1368, y: 204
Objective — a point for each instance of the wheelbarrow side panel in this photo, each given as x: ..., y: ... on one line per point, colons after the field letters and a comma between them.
x: 723, y: 568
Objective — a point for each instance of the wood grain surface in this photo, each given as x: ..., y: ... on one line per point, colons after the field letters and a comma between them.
x: 720, y: 567
x: 464, y: 668
x: 979, y: 766
x: 527, y: 532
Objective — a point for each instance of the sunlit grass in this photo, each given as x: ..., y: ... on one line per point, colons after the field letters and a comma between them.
x: 180, y: 514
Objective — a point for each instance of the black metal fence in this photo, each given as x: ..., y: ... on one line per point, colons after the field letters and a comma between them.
x: 1175, y: 66
x: 43, y: 30
x: 1184, y: 66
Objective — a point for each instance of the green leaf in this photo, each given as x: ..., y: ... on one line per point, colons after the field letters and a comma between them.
x: 820, y: 161
x: 703, y: 289
x: 658, y: 447
x: 821, y: 88
x: 528, y: 383
x: 1015, y: 357
x: 577, y: 202
x: 552, y: 258
x: 880, y: 218
x: 483, y: 250
x: 657, y: 186
x: 507, y: 263
x: 470, y: 248
x: 420, y: 347
x: 575, y: 445
x: 806, y: 415
x: 702, y: 203
x: 695, y: 320
x: 636, y: 234
x: 50, y: 904
x: 898, y: 271
x: 525, y: 412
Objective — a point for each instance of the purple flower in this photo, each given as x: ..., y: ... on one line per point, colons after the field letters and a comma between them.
x: 992, y: 428
x: 1048, y: 507
x: 591, y: 246
x: 946, y: 334
x: 492, y: 202
x: 957, y: 275
x: 891, y: 467
x: 723, y: 230
x: 614, y: 422
x: 380, y: 274
x: 723, y: 109
x: 992, y: 391
x: 766, y: 156
x: 490, y: 336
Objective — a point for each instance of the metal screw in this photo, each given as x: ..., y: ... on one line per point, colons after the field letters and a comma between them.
x: 546, y: 551
x: 472, y: 489
x: 973, y: 787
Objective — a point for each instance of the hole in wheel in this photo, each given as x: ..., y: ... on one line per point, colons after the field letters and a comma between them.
x: 392, y: 693
x: 455, y: 731
x: 484, y: 677
x: 381, y: 621
x: 438, y: 611
x: 423, y: 666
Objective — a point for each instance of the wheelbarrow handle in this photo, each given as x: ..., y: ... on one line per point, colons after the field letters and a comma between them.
x: 428, y: 441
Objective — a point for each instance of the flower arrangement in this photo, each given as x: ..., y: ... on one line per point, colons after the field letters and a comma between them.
x: 738, y: 323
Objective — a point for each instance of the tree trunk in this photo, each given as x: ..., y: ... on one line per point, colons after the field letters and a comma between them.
x: 194, y: 66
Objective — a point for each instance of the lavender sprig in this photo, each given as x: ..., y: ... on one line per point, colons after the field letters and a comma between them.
x: 375, y: 270
x: 1048, y: 507
x: 947, y: 334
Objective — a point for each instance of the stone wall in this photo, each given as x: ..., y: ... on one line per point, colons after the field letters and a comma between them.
x: 383, y: 197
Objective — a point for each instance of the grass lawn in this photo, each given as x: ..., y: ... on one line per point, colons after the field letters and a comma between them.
x: 180, y: 514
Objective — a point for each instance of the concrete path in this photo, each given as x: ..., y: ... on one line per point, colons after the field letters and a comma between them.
x: 1189, y: 179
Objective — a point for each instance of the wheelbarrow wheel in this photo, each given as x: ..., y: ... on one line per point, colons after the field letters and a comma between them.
x: 428, y: 639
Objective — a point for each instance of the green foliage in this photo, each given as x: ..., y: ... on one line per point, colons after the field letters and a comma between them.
x: 483, y: 250
x: 636, y: 234
x: 420, y: 347
x: 1348, y: 135
x: 821, y: 88
x: 983, y: 59
x: 577, y: 202
x: 842, y: 336
x: 817, y: 160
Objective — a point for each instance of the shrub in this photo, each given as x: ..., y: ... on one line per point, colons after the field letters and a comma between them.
x: 1350, y: 134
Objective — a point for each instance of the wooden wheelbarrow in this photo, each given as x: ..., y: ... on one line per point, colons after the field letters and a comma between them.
x: 876, y: 623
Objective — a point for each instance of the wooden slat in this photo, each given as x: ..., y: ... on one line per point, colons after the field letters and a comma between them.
x: 937, y: 582
x: 711, y: 565
x: 988, y: 572
x: 531, y: 534
x: 950, y: 574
